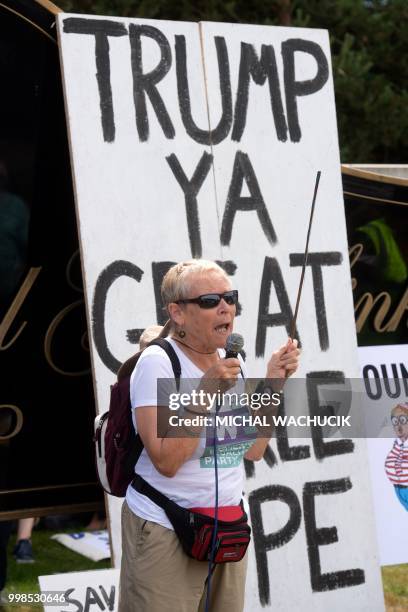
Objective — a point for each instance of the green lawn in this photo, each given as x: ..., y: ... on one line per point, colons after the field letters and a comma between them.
x: 50, y: 558
x: 53, y: 558
x: 395, y: 583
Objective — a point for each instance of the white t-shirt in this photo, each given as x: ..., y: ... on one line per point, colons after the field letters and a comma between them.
x: 194, y: 483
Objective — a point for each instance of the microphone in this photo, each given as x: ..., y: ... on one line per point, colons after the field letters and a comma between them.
x: 233, y: 346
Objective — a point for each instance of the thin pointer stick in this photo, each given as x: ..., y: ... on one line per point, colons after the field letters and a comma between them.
x: 293, y: 323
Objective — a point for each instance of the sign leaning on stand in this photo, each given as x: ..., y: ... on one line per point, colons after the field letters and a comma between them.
x: 192, y: 140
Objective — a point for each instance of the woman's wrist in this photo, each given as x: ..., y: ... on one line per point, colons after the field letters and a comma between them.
x: 273, y: 383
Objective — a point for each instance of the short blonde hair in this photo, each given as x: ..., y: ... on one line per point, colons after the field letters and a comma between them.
x: 403, y: 407
x: 177, y: 281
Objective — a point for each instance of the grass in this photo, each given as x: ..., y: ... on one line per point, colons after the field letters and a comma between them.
x: 395, y: 583
x: 53, y: 558
x: 50, y: 558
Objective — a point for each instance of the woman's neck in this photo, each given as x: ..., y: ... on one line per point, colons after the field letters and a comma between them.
x: 202, y: 359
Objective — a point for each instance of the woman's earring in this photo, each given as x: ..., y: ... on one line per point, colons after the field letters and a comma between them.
x: 181, y: 333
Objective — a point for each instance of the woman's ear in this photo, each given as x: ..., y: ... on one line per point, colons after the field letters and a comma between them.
x: 176, y: 313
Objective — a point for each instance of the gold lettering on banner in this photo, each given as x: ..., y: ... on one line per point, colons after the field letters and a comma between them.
x: 367, y: 302
x: 18, y: 425
x: 355, y: 252
x: 397, y: 316
x: 68, y: 272
x: 49, y: 337
x: 15, y: 307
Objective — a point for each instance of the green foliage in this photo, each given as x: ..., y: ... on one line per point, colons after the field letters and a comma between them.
x: 369, y: 42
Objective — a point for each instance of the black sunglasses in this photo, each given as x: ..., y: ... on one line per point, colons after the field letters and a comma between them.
x: 211, y: 300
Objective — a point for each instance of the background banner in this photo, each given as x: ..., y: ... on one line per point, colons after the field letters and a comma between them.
x: 47, y: 401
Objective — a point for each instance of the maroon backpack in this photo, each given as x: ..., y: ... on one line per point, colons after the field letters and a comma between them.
x: 117, y: 446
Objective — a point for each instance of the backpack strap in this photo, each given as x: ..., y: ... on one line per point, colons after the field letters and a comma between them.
x: 175, y: 364
x: 172, y: 355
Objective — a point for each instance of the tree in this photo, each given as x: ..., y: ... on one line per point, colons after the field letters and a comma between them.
x: 369, y: 43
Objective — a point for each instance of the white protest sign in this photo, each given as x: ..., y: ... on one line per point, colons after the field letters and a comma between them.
x: 383, y: 368
x: 80, y: 591
x: 94, y: 544
x: 157, y: 183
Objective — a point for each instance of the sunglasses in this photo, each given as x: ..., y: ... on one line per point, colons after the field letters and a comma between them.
x: 211, y: 300
x: 402, y: 419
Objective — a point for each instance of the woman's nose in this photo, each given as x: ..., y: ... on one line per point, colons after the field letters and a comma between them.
x: 223, y: 306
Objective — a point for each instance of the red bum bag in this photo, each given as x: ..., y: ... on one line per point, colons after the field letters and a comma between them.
x: 195, y: 527
x: 232, y: 537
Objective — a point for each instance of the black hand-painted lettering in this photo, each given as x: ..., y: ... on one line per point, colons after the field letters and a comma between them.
x: 133, y: 335
x: 159, y: 269
x: 101, y: 29
x: 92, y: 598
x: 216, y: 135
x: 243, y: 170
x: 106, y: 278
x: 249, y: 468
x: 314, y: 380
x: 272, y: 275
x: 374, y: 383
x: 269, y: 457
x: 287, y: 452
x: 71, y: 601
x: 228, y: 266
x: 316, y: 261
x: 144, y: 84
x: 404, y: 376
x: 394, y: 378
x: 370, y: 381
x: 259, y: 70
x: 190, y: 189
x: 263, y: 543
x: 109, y: 599
x: 323, y: 536
x: 295, y: 89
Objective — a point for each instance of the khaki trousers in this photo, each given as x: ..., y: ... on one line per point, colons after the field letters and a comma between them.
x: 157, y: 576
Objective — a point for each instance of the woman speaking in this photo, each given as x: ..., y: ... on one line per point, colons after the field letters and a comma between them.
x: 156, y: 573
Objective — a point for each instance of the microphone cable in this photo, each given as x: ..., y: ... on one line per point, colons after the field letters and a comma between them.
x: 211, y: 564
x: 235, y: 344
